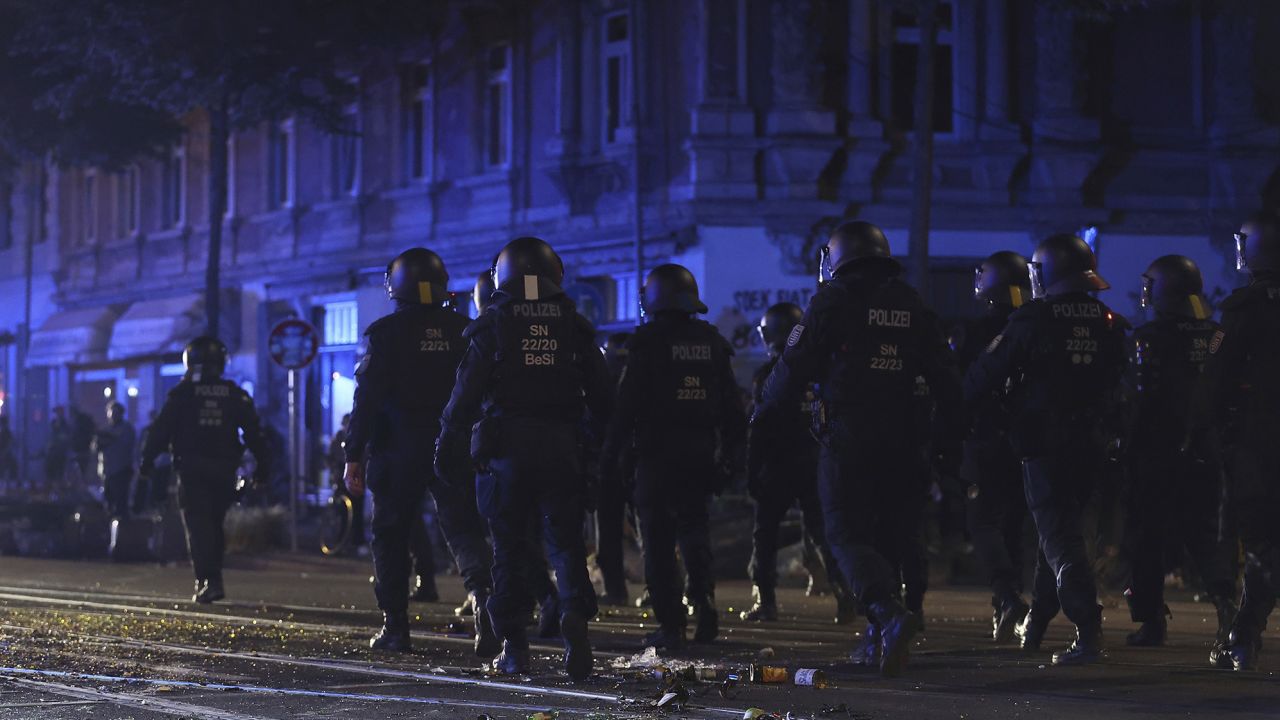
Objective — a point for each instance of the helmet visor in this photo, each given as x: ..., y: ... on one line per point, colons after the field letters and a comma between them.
x: 1147, y: 287
x: 1037, y: 279
x: 1242, y: 262
x: 978, y: 289
x: 825, y: 271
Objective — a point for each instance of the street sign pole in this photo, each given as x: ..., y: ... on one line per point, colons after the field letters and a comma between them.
x: 293, y: 344
x: 294, y: 485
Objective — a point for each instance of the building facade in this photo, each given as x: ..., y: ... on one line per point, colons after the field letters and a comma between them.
x: 727, y: 135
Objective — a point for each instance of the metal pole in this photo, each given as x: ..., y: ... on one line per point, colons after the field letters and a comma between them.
x: 636, y: 175
x: 293, y: 461
x: 35, y: 223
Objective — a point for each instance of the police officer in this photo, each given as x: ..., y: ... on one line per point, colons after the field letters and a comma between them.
x: 540, y: 583
x: 402, y: 384
x: 1242, y: 392
x: 997, y: 508
x: 865, y: 338
x: 1175, y: 494
x: 678, y: 405
x: 611, y: 508
x: 1066, y: 355
x: 517, y: 413
x: 200, y: 426
x: 782, y: 468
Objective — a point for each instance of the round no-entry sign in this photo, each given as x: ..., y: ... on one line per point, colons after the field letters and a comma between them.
x: 293, y: 343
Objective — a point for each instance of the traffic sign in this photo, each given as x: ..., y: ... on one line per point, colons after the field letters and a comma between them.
x: 589, y: 300
x: 293, y: 343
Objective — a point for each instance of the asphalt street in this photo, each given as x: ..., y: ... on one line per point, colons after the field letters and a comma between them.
x: 97, y: 640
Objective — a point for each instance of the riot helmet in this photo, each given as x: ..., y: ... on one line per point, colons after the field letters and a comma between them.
x: 1258, y: 243
x: 417, y: 276
x: 528, y: 268
x: 776, y: 325
x: 850, y: 242
x: 482, y: 294
x: 1173, y: 285
x: 671, y: 287
x: 1002, y: 279
x: 205, y: 358
x: 1064, y: 263
x: 115, y: 411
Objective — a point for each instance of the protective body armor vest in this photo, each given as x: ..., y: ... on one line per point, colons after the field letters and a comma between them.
x: 874, y: 369
x: 1259, y: 383
x: 207, y: 421
x: 539, y: 370
x: 1169, y: 354
x: 423, y: 346
x: 683, y: 357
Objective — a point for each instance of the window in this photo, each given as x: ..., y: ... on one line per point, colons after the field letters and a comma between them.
x: 173, y: 187
x: 615, y: 75
x: 416, y: 122
x: 340, y: 323
x: 903, y: 63
x: 345, y: 156
x: 497, y: 136
x: 127, y: 186
x: 89, y: 207
x: 280, y: 166
x: 626, y: 298
x: 6, y: 215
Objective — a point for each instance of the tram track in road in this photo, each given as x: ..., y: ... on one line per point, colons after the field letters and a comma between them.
x: 439, y: 677
x: 913, y: 688
x: 769, y: 635
x: 955, y: 666
x: 818, y: 637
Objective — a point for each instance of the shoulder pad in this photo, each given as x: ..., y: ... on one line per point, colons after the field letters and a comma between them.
x: 719, y: 337
x: 1237, y: 299
x: 1028, y: 312
x: 1118, y: 321
x: 480, y: 324
x: 379, y: 325
x: 182, y: 388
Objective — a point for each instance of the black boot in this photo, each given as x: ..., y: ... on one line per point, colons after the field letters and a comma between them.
x: 897, y: 628
x: 1242, y: 649
x: 668, y: 639
x: 549, y: 617
x: 514, y: 659
x: 867, y: 652
x: 578, y: 660
x: 1151, y: 633
x: 210, y: 591
x: 708, y: 627
x: 1086, y: 650
x: 425, y: 591
x: 1220, y: 655
x: 765, y: 608
x: 644, y: 600
x: 1008, y: 614
x: 394, y: 635
x: 1030, y: 632
x: 487, y: 644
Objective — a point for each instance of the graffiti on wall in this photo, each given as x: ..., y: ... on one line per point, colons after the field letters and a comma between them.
x: 738, y: 322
